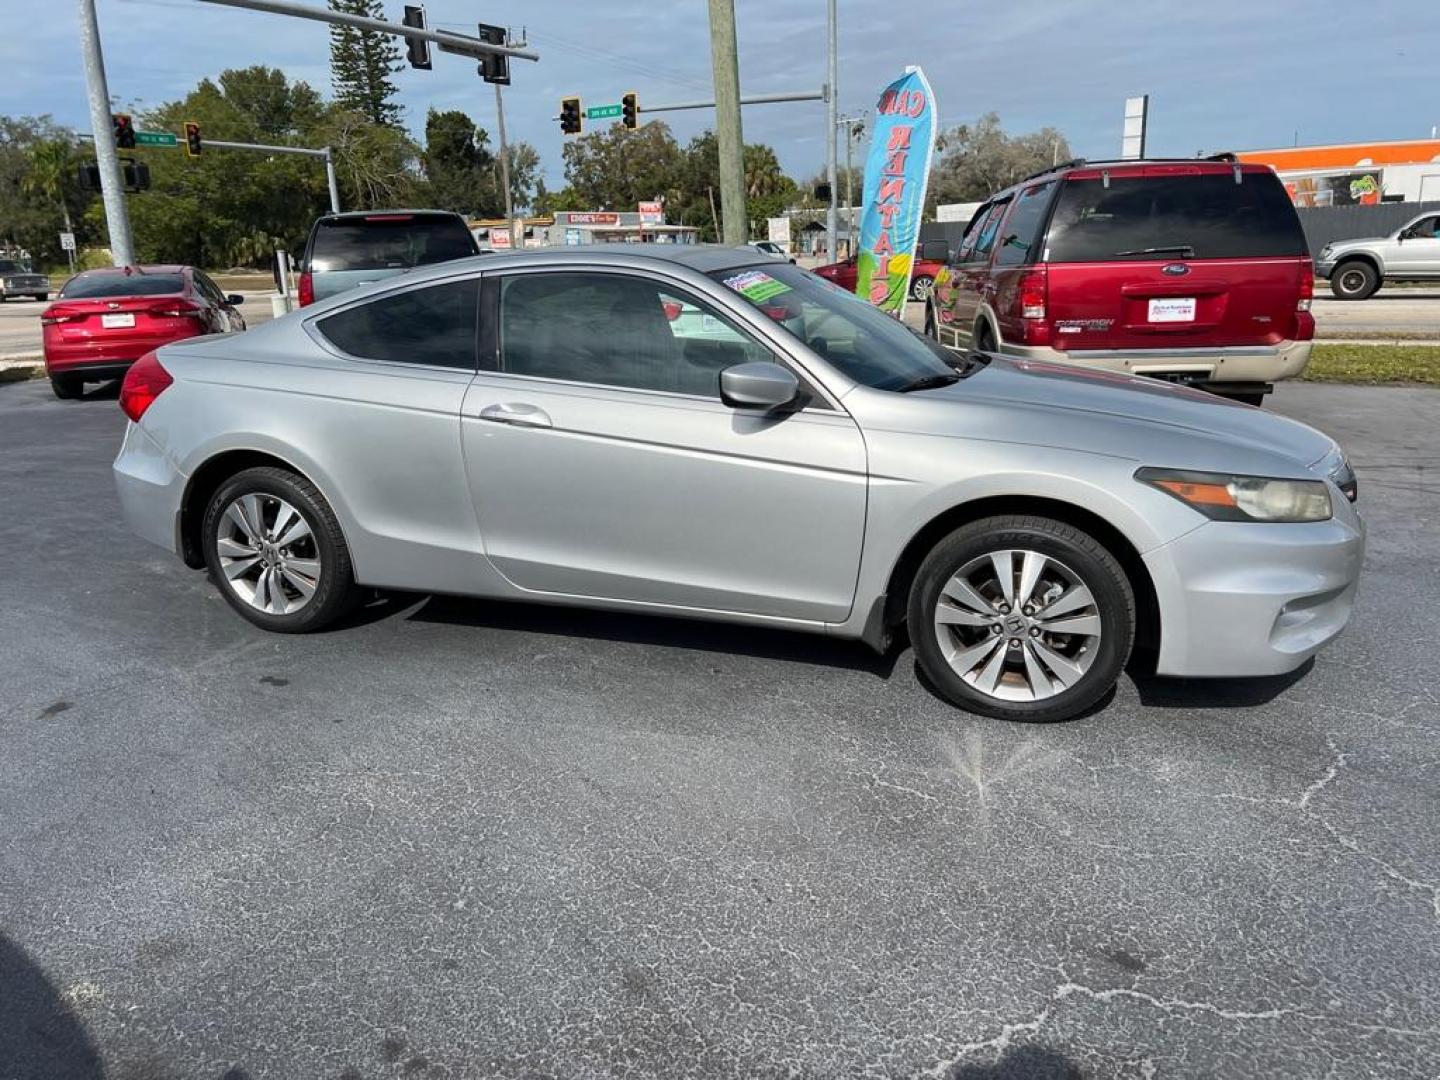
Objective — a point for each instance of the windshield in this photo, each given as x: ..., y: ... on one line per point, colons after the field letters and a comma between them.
x: 859, y: 340
x: 389, y: 242
x: 82, y: 287
x: 10, y: 266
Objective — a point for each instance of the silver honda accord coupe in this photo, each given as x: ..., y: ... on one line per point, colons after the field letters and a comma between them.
x: 709, y: 433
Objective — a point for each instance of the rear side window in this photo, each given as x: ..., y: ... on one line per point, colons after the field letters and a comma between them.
x: 1020, y: 237
x: 389, y: 242
x: 434, y: 325
x: 1201, y: 216
x: 85, y: 288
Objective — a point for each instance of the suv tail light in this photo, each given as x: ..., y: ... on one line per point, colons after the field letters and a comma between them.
x: 144, y: 382
x: 1032, y: 294
x: 1307, y: 285
x: 306, y: 289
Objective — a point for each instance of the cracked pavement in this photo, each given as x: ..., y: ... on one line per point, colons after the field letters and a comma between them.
x: 461, y: 839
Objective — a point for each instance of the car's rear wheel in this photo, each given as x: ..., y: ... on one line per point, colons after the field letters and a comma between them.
x: 921, y: 287
x: 985, y: 337
x: 42, y: 296
x: 67, y: 387
x: 1354, y: 280
x: 1022, y: 618
x: 275, y: 550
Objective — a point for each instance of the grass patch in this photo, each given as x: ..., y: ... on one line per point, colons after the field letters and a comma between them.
x: 1335, y: 362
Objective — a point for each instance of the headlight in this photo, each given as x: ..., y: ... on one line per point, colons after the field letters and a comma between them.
x: 1243, y: 498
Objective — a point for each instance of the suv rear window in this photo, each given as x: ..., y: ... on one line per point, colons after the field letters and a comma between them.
x: 389, y: 242
x: 1209, y: 213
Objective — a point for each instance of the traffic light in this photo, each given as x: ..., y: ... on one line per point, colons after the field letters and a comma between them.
x: 495, y: 68
x: 571, y: 119
x: 136, y: 175
x: 416, y: 50
x: 192, y: 138
x: 630, y: 110
x: 89, y: 176
x: 124, y: 131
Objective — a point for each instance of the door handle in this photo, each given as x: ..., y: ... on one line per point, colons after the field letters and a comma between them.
x: 517, y: 413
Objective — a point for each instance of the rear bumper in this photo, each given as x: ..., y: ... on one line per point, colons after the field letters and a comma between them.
x: 77, y: 357
x: 150, y: 489
x: 1202, y: 367
x: 1240, y: 599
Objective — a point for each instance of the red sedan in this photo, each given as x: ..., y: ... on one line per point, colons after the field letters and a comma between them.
x: 105, y: 320
x: 922, y: 280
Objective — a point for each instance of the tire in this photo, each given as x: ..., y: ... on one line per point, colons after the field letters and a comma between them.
x: 932, y: 328
x: 42, y: 296
x: 1073, y: 670
x: 67, y: 387
x: 985, y: 338
x: 315, y: 561
x: 1247, y: 399
x: 1354, y: 280
x: 921, y: 287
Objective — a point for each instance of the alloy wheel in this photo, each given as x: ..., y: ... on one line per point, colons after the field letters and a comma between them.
x: 1018, y: 625
x: 268, y: 554
x: 1352, y: 281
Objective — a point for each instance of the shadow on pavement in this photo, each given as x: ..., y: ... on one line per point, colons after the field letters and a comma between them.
x: 654, y: 630
x: 41, y: 1038
x: 1216, y: 693
x: 1021, y: 1063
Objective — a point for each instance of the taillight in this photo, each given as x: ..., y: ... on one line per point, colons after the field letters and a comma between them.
x: 1032, y: 294
x: 144, y: 382
x: 56, y: 320
x: 306, y: 289
x: 673, y: 308
x: 176, y: 309
x: 1307, y: 286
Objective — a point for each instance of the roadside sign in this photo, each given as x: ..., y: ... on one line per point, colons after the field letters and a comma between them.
x: 67, y: 241
x: 652, y: 213
x: 572, y: 237
x: 603, y: 112
x: 156, y: 138
x: 500, y: 238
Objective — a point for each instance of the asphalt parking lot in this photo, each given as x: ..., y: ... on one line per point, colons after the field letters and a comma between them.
x: 459, y: 839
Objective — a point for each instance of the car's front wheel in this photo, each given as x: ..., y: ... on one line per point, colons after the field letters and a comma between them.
x: 67, y: 387
x: 1022, y: 618
x: 275, y: 550
x: 1354, y: 280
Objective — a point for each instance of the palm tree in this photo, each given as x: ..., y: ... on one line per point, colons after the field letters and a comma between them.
x: 52, y: 165
x: 763, y: 175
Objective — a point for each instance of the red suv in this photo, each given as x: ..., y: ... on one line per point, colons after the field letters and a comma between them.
x: 104, y: 320
x: 1195, y: 271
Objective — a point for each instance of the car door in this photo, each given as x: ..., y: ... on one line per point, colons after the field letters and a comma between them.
x: 973, y: 287
x: 1416, y: 251
x: 220, y: 316
x: 604, y: 465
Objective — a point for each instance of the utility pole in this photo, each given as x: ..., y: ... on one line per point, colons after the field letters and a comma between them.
x: 504, y: 164
x: 724, y: 59
x: 112, y: 187
x: 832, y: 94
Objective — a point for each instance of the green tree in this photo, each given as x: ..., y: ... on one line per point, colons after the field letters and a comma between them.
x: 459, y: 167
x: 768, y: 191
x: 525, y: 183
x: 31, y: 214
x: 363, y: 64
x: 617, y: 168
x: 976, y: 160
x: 51, y: 174
x: 276, y: 108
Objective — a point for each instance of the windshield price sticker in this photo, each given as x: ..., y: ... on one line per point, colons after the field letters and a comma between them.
x: 756, y: 286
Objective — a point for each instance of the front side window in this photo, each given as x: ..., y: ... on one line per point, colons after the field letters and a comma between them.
x: 859, y: 340
x: 985, y: 242
x: 617, y: 330
x: 434, y: 325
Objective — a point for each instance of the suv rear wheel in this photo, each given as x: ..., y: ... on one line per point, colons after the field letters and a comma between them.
x: 1022, y: 618
x: 1354, y: 280
x: 275, y: 551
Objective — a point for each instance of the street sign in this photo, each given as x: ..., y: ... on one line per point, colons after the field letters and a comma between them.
x: 602, y: 112
x: 156, y: 138
x: 67, y: 241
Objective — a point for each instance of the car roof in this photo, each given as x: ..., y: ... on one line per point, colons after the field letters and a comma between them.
x: 149, y: 268
x: 704, y: 258
x: 364, y: 215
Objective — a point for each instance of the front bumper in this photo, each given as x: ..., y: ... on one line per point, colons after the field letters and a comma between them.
x: 35, y: 286
x: 1324, y: 268
x: 1244, y: 599
x: 150, y: 489
x: 1199, y: 367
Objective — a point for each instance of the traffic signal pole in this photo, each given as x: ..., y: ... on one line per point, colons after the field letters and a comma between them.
x: 112, y: 187
x: 305, y: 151
x: 832, y: 75
x: 505, y: 167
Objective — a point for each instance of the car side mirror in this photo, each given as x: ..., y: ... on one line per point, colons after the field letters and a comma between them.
x: 935, y: 251
x: 234, y: 299
x: 759, y: 384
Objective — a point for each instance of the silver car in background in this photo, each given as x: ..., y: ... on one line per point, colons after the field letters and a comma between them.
x: 704, y: 432
x: 1357, y: 268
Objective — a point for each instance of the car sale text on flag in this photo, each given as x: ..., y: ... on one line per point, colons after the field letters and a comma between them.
x: 896, y: 173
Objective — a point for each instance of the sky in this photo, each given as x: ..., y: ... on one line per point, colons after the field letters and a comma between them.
x: 1223, y: 74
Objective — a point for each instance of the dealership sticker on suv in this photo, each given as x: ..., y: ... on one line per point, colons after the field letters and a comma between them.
x: 1172, y: 309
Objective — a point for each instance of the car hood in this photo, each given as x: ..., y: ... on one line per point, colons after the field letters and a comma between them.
x: 1362, y: 241
x: 1128, y: 416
